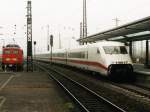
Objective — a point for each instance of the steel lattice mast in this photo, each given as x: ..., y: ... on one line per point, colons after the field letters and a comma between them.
x: 29, y: 37
x: 81, y: 32
x: 84, y: 20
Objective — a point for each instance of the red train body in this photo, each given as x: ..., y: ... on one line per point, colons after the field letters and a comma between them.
x: 12, y: 57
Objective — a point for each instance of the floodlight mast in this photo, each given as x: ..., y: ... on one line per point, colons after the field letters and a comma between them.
x: 84, y: 21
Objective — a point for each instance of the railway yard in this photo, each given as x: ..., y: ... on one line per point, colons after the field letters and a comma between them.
x: 53, y: 88
x: 67, y: 63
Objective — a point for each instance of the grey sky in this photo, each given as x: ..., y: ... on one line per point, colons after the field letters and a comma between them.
x: 64, y: 16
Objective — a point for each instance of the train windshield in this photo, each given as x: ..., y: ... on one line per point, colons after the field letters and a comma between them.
x: 15, y: 51
x: 115, y: 49
x: 7, y: 52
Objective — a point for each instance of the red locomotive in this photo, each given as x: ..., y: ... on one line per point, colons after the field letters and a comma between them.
x: 12, y: 57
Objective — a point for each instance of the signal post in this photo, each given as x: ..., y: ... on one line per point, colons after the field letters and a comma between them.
x: 51, y: 44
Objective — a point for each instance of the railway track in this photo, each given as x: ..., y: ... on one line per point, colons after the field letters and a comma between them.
x: 143, y: 92
x: 86, y: 98
x: 138, y: 90
x: 128, y: 97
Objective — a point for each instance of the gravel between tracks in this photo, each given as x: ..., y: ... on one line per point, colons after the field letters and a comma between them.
x: 123, y: 98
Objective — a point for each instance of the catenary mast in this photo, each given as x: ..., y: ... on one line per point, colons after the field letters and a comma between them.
x: 84, y: 20
x: 29, y: 37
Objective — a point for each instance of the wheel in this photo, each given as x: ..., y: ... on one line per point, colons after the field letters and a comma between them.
x: 3, y: 67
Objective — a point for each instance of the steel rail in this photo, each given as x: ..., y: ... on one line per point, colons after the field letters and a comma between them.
x: 98, y: 97
x: 50, y: 75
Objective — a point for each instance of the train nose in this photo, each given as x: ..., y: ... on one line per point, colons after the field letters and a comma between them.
x: 11, y: 60
x: 120, y: 70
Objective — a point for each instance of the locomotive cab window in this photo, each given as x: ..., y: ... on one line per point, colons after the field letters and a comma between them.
x: 123, y: 50
x: 115, y: 49
x: 7, y: 52
x: 15, y: 51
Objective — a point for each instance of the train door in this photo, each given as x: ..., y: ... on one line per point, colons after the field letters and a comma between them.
x: 95, y: 59
x: 101, y: 60
x: 92, y: 55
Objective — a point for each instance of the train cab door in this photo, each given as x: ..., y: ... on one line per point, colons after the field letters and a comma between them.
x: 95, y: 58
x: 101, y: 61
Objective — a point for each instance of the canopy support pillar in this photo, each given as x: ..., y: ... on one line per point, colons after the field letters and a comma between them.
x: 147, y: 55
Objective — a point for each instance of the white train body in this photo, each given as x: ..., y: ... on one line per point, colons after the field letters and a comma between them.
x: 107, y: 57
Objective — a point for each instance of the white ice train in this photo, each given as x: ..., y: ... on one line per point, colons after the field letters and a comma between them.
x: 109, y: 58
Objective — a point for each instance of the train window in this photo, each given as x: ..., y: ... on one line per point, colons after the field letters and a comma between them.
x: 76, y: 55
x: 59, y: 55
x: 15, y: 51
x: 115, y: 49
x: 7, y: 52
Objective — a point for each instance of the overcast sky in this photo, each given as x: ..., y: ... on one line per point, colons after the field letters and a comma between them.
x: 64, y: 16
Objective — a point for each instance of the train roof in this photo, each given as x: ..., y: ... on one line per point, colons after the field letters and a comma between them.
x: 12, y: 45
x: 107, y: 43
x: 98, y: 44
x: 101, y: 43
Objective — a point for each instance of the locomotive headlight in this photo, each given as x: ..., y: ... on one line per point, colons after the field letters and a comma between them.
x: 14, y: 59
x: 7, y: 59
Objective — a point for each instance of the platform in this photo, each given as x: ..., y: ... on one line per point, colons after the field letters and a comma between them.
x: 142, y: 75
x: 31, y: 92
x: 140, y: 68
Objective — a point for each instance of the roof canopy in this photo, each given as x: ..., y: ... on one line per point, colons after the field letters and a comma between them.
x: 137, y: 30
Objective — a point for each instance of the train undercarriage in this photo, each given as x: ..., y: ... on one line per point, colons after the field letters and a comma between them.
x: 121, y: 72
x: 12, y: 67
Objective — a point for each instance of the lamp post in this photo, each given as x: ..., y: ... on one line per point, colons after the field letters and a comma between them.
x: 34, y: 53
x: 34, y: 50
x: 51, y: 44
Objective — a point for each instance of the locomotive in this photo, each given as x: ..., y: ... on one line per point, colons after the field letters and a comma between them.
x: 108, y: 58
x: 12, y: 57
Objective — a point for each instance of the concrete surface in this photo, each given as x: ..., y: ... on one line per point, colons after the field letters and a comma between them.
x: 32, y: 92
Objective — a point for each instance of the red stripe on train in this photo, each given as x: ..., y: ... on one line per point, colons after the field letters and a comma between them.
x: 96, y: 64
x: 91, y: 63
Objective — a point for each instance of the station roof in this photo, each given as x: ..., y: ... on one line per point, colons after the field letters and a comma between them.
x: 134, y: 31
